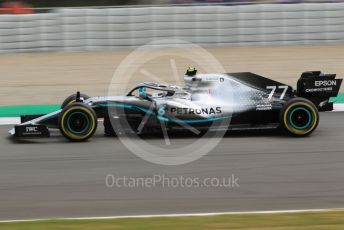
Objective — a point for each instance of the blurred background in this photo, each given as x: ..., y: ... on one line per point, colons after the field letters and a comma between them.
x: 40, y: 25
x: 64, y: 46
x: 83, y: 3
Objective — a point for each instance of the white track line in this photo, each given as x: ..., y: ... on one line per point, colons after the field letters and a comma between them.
x: 178, y: 215
x: 338, y: 107
x: 9, y: 120
x: 16, y: 120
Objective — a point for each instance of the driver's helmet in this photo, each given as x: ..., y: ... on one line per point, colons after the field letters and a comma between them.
x: 191, y: 71
x: 142, y: 92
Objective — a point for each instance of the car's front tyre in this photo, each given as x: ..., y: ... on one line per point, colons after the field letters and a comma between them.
x: 299, y: 117
x: 77, y: 122
x: 72, y: 99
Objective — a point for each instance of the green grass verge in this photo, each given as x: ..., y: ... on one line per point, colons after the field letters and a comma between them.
x: 17, y: 111
x: 327, y: 220
x: 339, y: 99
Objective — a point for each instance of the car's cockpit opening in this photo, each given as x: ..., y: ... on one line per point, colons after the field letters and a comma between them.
x: 150, y: 90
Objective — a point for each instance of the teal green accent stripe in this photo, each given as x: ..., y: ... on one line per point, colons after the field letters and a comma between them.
x: 296, y: 126
x: 19, y: 110
x: 162, y: 118
x: 339, y: 99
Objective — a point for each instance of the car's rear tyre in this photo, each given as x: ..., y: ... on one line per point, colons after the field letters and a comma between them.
x: 77, y: 122
x: 299, y: 117
x: 72, y: 99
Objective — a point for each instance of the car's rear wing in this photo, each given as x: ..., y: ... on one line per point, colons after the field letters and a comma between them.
x: 318, y: 88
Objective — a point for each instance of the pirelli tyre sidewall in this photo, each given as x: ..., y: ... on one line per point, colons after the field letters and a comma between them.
x: 299, y: 117
x: 77, y: 122
x: 72, y: 99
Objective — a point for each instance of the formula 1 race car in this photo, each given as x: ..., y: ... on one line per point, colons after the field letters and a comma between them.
x: 232, y: 101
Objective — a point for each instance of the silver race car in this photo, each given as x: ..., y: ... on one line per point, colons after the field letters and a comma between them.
x: 206, y: 102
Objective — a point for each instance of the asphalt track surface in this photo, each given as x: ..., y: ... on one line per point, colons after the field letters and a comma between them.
x: 54, y: 178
